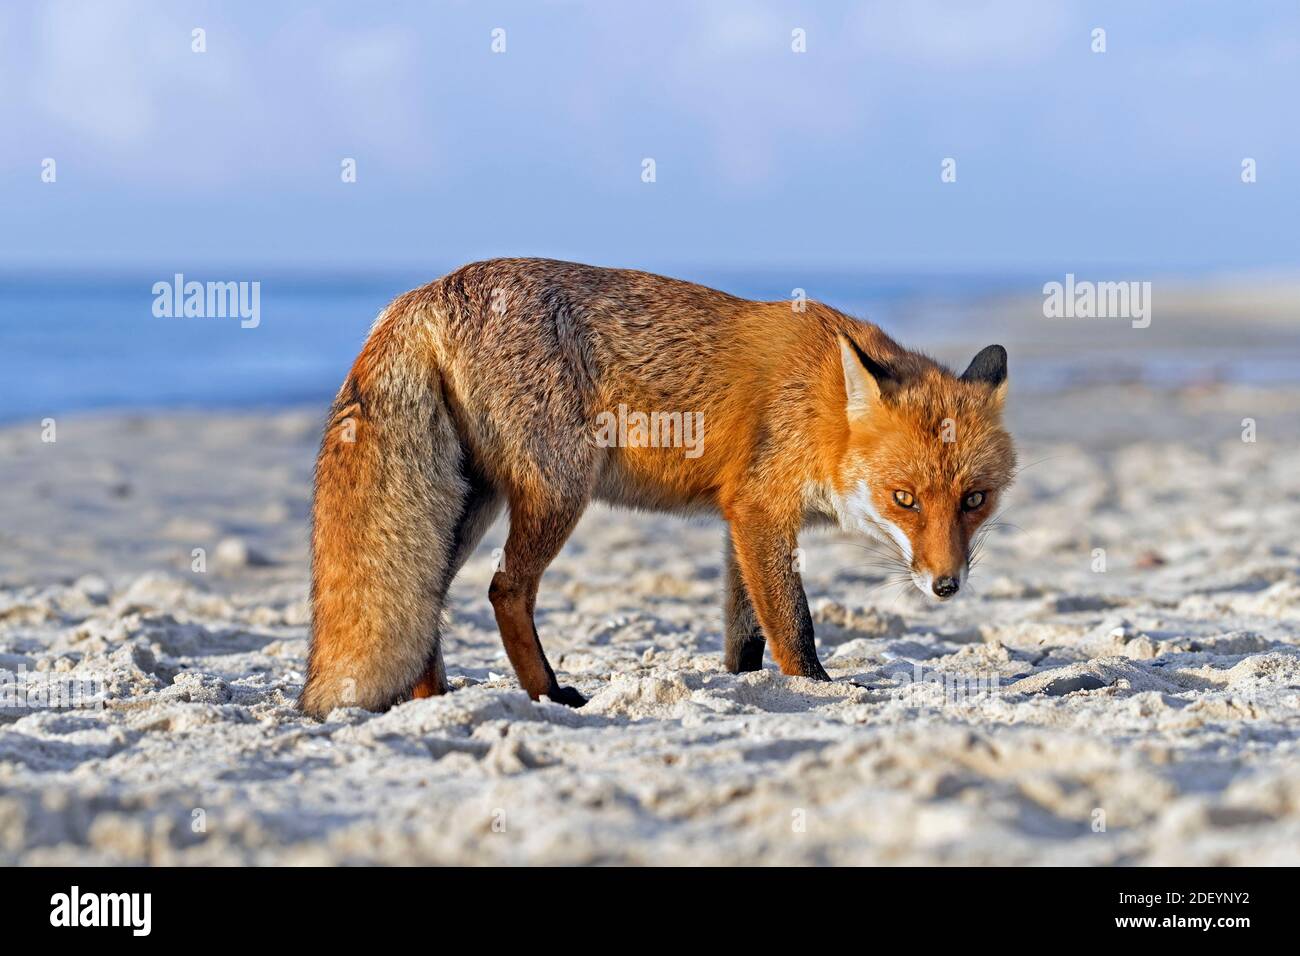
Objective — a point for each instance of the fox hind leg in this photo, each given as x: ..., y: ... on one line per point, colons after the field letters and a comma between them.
x: 535, y: 538
x: 433, y: 682
x: 482, y: 505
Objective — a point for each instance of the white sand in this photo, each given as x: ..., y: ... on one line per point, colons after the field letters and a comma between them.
x: 1164, y: 697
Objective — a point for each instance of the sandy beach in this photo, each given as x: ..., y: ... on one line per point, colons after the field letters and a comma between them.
x: 1147, y: 713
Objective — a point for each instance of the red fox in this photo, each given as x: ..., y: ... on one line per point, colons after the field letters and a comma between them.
x: 486, y: 388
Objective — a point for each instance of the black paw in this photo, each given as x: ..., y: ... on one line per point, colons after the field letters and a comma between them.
x: 817, y: 672
x: 747, y: 657
x: 566, y: 696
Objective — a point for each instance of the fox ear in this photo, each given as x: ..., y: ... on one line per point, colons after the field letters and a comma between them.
x: 864, y: 378
x: 989, y: 367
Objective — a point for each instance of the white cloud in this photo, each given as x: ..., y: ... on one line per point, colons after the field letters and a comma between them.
x: 948, y: 35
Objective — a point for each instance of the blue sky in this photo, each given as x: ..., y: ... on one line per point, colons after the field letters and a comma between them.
x: 1066, y: 159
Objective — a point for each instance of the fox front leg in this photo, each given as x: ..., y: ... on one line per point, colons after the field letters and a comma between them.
x: 763, y: 550
x: 744, y: 640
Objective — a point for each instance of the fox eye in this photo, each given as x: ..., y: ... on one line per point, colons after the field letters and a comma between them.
x: 972, y: 501
x: 905, y: 499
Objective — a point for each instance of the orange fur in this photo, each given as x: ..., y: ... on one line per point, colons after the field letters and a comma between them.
x: 482, y: 389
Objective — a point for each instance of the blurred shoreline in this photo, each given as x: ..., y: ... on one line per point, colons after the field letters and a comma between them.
x: 91, y: 342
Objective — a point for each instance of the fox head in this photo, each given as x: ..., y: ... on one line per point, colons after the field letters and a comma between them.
x: 926, y: 462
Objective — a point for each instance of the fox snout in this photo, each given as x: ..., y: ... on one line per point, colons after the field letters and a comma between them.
x: 940, y: 553
x: 941, y: 587
x: 945, y: 587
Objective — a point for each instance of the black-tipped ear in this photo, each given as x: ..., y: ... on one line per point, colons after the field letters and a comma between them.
x: 989, y: 367
x: 883, y: 374
x: 865, y: 379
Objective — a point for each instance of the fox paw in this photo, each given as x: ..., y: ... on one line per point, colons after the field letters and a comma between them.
x: 566, y: 696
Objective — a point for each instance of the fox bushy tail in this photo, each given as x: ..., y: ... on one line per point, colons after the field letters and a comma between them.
x: 389, y: 494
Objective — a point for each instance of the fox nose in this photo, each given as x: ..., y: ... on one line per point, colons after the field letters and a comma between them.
x: 945, y: 587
